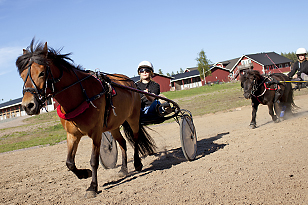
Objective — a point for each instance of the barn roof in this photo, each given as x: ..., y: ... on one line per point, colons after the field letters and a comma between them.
x: 228, y: 64
x: 180, y: 76
x: 10, y: 103
x: 268, y: 58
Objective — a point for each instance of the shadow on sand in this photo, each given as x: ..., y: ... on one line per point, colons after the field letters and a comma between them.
x: 169, y: 158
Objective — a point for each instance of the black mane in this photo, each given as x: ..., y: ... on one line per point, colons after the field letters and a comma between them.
x: 250, y: 72
x: 35, y: 53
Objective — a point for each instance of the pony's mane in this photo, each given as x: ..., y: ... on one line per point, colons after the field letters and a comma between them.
x: 250, y: 72
x: 253, y: 72
x: 35, y: 53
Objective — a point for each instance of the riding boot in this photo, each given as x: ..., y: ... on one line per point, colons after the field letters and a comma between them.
x: 164, y: 109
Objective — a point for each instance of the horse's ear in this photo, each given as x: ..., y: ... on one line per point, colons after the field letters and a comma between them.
x: 45, y: 49
x: 24, y: 51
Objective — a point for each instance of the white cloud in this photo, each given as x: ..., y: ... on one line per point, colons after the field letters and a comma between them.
x: 8, y: 56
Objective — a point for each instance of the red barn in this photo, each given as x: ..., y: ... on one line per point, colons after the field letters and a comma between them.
x: 266, y: 63
x: 220, y: 71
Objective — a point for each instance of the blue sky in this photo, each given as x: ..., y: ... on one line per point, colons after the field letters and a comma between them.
x: 116, y: 35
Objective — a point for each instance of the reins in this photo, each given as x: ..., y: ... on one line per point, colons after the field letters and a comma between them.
x: 83, y: 106
x: 145, y: 93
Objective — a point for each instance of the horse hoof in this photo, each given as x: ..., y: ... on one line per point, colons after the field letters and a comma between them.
x: 90, y: 194
x: 277, y: 120
x: 123, y: 172
x: 252, y: 126
x: 84, y: 173
x: 139, y: 168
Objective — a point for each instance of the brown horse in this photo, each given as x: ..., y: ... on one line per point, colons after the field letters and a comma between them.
x: 82, y: 99
x: 270, y: 90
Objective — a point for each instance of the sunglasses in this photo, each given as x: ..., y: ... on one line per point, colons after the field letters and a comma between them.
x: 144, y: 70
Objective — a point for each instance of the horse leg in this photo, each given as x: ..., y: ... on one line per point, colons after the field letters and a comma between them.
x: 94, y: 162
x: 72, y: 144
x: 137, y: 161
x: 280, y: 109
x: 253, y: 123
x: 271, y: 112
x: 122, y: 142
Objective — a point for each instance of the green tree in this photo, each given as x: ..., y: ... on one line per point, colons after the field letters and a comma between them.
x: 160, y: 72
x: 172, y: 73
x: 203, y: 65
x: 168, y: 74
x: 291, y: 55
x: 181, y: 70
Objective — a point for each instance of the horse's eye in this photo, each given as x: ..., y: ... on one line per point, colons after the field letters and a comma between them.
x: 42, y: 74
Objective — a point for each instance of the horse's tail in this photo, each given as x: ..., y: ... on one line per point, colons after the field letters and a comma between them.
x: 145, y: 142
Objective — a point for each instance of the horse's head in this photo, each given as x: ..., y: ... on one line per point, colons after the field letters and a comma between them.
x: 34, y: 69
x: 249, y: 81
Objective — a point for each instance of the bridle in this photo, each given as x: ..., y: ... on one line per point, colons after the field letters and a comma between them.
x: 256, y: 86
x: 41, y: 94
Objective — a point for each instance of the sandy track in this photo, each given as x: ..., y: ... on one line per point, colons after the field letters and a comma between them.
x: 234, y: 165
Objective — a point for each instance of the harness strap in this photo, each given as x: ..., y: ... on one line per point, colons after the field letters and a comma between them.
x: 276, y: 87
x: 83, y: 106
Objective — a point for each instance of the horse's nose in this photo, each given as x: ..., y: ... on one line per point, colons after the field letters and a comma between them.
x: 247, y: 95
x: 30, y: 108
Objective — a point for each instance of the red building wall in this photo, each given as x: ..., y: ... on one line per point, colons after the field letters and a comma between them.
x: 274, y: 69
x: 222, y: 75
x: 164, y: 83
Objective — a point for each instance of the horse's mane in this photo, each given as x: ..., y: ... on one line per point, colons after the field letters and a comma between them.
x: 250, y: 72
x: 35, y: 53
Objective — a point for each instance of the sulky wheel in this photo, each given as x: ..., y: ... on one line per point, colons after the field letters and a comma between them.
x: 108, y: 151
x: 188, y: 137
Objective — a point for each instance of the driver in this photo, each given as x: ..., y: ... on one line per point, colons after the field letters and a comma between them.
x: 149, y: 104
x: 300, y: 66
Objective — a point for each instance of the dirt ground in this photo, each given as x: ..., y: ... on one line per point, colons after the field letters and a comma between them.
x: 234, y: 165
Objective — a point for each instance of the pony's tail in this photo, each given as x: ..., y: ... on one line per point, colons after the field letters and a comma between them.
x: 291, y: 101
x: 145, y: 143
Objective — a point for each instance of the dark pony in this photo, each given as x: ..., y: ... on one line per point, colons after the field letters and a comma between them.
x: 84, y: 107
x: 270, y: 90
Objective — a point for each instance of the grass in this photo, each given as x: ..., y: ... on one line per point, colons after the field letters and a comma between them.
x: 40, y: 136
x: 210, y: 99
x: 46, y: 129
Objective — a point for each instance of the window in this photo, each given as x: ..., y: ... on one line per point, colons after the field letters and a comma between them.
x: 196, y: 79
x: 246, y: 62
